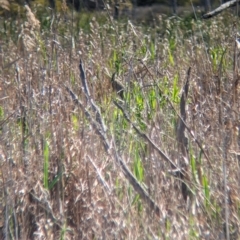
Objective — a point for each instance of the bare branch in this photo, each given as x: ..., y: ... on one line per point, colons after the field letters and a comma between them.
x: 220, y: 9
x: 94, y: 107
x: 143, y: 135
x: 129, y: 176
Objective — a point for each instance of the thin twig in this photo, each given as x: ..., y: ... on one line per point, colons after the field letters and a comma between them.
x: 90, y: 118
x: 100, y: 175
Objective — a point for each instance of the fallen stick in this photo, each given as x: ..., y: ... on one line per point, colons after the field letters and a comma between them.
x: 220, y: 9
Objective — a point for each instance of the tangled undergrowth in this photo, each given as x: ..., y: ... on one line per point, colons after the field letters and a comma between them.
x: 138, y: 140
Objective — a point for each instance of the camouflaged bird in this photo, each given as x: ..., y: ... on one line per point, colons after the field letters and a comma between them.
x: 117, y: 86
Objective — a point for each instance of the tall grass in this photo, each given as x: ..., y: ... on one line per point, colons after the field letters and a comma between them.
x: 64, y: 176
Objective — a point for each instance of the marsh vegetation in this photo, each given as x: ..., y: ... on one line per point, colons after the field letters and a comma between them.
x: 78, y: 160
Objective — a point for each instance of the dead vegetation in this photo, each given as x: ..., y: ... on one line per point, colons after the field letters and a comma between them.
x: 78, y: 161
